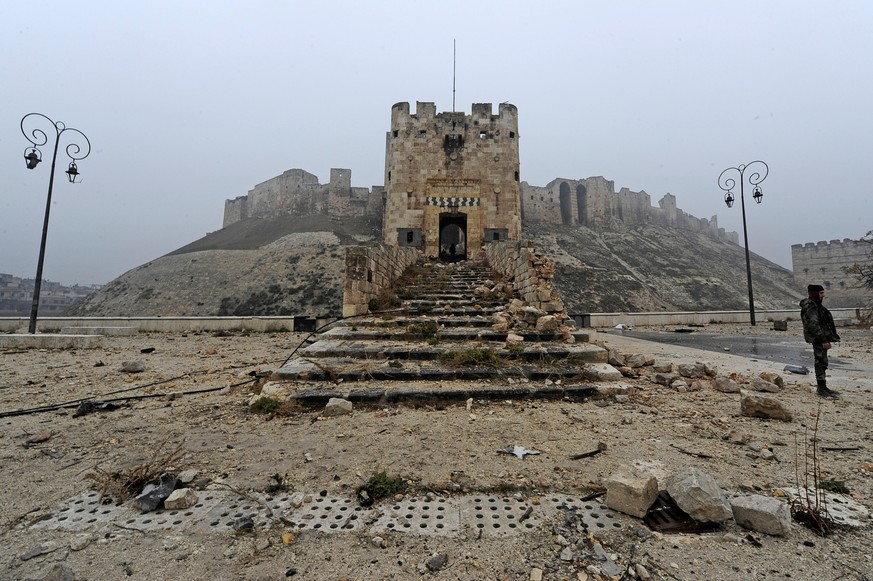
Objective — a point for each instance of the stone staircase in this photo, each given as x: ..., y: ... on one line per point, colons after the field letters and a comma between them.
x: 435, y: 339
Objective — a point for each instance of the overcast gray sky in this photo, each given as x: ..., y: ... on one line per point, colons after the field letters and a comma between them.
x: 189, y: 103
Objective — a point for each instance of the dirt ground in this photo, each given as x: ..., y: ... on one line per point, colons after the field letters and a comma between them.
x: 442, y: 450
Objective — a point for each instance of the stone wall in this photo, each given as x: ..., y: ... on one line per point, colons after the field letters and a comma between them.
x: 370, y: 270
x: 530, y: 273
x: 298, y: 192
x: 825, y: 263
x: 593, y: 202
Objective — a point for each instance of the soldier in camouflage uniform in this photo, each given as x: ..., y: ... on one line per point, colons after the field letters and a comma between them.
x: 819, y: 329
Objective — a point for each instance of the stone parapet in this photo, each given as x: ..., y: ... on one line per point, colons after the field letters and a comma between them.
x: 370, y: 270
x: 529, y: 272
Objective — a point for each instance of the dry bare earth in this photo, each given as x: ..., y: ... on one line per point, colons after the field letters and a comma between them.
x: 443, y: 448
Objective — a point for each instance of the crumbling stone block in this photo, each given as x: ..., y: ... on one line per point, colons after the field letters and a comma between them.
x: 631, y: 492
x: 763, y: 514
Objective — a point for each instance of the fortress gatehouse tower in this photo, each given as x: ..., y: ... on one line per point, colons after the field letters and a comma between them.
x: 451, y: 180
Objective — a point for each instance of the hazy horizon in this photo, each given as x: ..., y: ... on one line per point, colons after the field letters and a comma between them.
x: 189, y: 104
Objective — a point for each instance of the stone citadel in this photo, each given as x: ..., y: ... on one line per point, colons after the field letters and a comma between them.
x: 452, y: 180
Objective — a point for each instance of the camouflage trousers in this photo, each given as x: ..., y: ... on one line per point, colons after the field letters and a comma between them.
x: 821, y: 361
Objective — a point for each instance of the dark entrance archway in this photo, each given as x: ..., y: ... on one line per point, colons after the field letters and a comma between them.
x: 453, y: 236
x: 566, y: 208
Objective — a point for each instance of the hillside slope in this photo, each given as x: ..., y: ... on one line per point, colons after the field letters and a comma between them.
x: 295, y: 266
x: 653, y: 268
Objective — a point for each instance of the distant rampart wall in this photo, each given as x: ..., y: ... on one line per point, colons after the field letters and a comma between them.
x: 298, y: 192
x: 593, y: 202
x: 825, y: 263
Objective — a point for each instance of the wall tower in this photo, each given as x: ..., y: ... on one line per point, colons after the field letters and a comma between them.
x: 451, y: 179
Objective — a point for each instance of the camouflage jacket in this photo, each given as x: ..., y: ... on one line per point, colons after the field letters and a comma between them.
x: 818, y: 324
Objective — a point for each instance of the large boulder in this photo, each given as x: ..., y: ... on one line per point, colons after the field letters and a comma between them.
x: 697, y: 493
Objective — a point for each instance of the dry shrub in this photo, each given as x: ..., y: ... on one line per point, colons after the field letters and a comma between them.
x: 122, y: 485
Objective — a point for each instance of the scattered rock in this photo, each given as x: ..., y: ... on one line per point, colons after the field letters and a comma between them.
x: 697, y: 493
x: 55, y: 572
x: 337, y: 407
x: 726, y: 385
x: 133, y: 366
x: 152, y: 495
x: 602, y: 372
x: 759, y: 384
x: 773, y: 377
x: 513, y: 340
x: 638, y: 360
x: 38, y: 550
x: 437, y: 562
x: 759, y: 406
x: 695, y: 370
x: 181, y: 499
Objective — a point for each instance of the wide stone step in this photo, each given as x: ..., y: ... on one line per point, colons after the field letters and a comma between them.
x: 463, y: 302
x: 421, y: 351
x: 442, y: 321
x: 449, y: 334
x: 352, y: 370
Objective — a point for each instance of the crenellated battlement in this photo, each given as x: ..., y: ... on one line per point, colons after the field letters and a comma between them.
x: 826, y: 263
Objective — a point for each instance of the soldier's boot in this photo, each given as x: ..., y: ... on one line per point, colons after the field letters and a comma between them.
x: 824, y: 391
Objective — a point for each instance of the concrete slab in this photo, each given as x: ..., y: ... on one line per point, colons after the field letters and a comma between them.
x: 50, y: 341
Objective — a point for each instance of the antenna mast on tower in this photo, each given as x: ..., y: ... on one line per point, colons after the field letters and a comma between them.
x: 454, y: 61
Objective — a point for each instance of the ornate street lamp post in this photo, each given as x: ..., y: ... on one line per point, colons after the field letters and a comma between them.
x: 33, y: 156
x: 727, y: 183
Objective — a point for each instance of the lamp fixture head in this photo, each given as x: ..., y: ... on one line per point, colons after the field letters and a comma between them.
x: 33, y: 158
x: 729, y: 199
x: 73, y: 172
x: 757, y: 194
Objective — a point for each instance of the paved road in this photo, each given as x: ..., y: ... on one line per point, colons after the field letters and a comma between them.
x: 788, y: 350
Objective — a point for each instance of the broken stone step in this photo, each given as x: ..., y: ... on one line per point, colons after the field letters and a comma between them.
x: 457, y: 333
x: 441, y: 321
x: 341, y: 369
x: 420, y: 351
x: 319, y: 397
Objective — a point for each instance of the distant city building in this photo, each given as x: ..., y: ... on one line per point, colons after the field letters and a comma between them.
x: 16, y: 296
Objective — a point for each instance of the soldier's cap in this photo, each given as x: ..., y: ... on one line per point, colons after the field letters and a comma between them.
x: 814, y: 288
